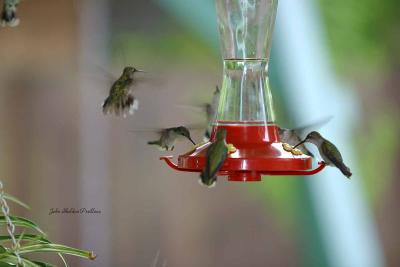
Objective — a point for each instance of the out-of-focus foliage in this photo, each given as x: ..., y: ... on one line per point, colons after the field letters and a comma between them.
x: 378, y: 153
x: 364, y: 36
x: 174, y: 47
x: 364, y: 39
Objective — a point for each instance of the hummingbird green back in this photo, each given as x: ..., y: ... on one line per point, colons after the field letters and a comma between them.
x: 332, y: 156
x: 215, y: 158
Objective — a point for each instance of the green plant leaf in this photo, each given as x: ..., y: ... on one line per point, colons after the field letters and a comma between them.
x: 15, y: 200
x: 19, y: 221
x: 58, y: 249
x: 43, y: 264
x: 26, y: 237
x: 63, y: 259
x: 34, y: 238
x: 12, y: 260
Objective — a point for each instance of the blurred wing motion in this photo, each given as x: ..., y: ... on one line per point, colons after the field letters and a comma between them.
x: 9, y: 13
x: 211, y: 111
x: 294, y: 136
x: 304, y: 130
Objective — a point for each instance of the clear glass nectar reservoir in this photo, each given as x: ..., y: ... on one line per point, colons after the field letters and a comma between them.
x: 245, y: 28
x: 245, y: 106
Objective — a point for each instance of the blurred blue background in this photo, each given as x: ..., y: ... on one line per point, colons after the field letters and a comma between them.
x: 329, y: 58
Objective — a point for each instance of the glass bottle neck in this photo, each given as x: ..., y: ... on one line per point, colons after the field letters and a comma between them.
x: 245, y: 94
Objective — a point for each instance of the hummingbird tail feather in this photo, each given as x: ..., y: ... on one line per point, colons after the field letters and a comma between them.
x: 207, y: 182
x: 154, y: 143
x: 132, y: 104
x: 121, y: 106
x: 9, y: 16
x: 345, y: 170
x: 106, y: 105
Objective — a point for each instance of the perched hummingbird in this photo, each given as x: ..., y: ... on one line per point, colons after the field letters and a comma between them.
x: 211, y: 111
x: 120, y: 99
x: 328, y: 151
x: 216, y: 154
x: 9, y: 13
x: 169, y: 136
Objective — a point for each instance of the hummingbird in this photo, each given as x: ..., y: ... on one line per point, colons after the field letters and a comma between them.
x: 169, y: 136
x: 216, y: 155
x: 9, y: 13
x: 328, y: 151
x: 211, y: 111
x: 294, y: 136
x: 120, y: 99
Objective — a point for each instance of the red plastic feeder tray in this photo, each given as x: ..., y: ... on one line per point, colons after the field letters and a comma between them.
x: 259, y: 152
x: 245, y: 105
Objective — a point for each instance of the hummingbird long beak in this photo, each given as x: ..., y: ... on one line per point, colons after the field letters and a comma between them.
x: 191, y: 140
x: 141, y: 71
x: 302, y: 142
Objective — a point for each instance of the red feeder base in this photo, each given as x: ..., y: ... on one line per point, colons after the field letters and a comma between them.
x: 258, y: 152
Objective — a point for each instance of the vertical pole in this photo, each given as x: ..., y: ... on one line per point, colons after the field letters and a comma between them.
x: 95, y: 175
x: 310, y: 89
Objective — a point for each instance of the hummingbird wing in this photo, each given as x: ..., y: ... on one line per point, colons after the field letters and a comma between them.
x: 196, y: 108
x: 331, y: 152
x: 304, y: 130
x: 208, y: 108
x: 157, y: 131
x: 195, y: 127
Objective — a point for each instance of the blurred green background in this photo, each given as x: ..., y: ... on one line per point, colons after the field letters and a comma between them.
x: 59, y: 151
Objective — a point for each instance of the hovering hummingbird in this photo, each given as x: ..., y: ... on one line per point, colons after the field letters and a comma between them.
x: 120, y: 99
x: 211, y: 111
x: 169, y: 136
x: 328, y: 151
x: 9, y: 13
x: 216, y: 154
x: 294, y: 136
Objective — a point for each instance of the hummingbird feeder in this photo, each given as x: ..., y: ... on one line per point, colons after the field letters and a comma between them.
x: 245, y: 107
